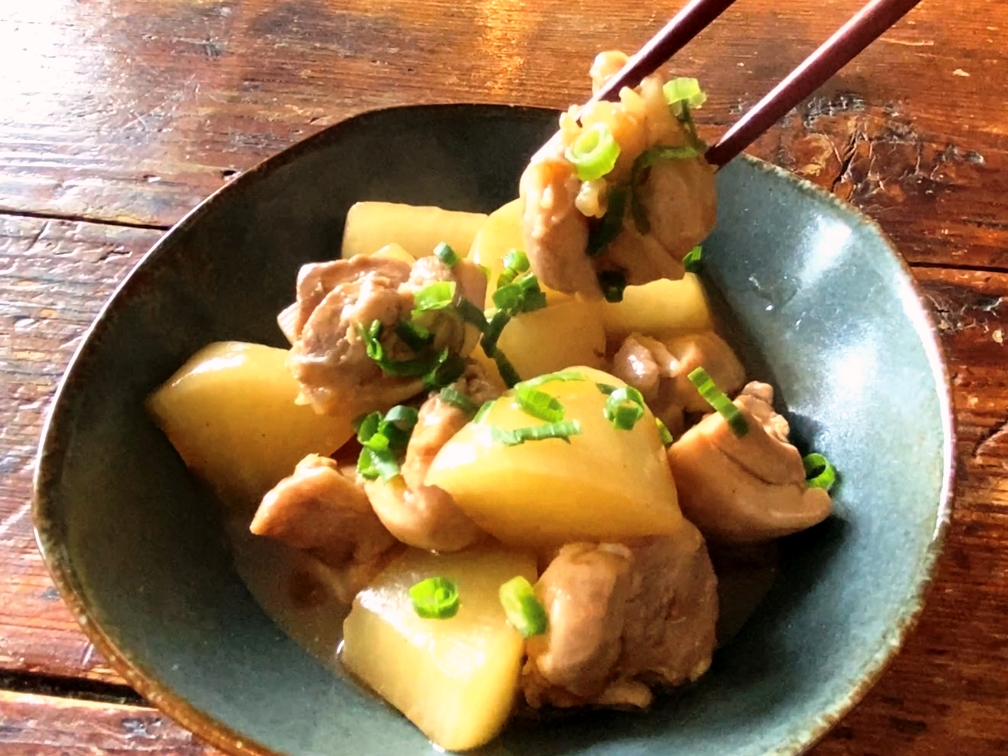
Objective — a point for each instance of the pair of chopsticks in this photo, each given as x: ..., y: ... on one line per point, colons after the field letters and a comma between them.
x: 863, y: 28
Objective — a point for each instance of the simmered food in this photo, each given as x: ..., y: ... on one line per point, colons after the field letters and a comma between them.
x: 507, y: 441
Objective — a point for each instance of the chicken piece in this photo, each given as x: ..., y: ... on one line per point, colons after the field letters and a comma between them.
x: 660, y: 371
x: 328, y: 356
x: 680, y: 200
x: 677, y: 194
x: 554, y: 230
x: 426, y: 516
x: 324, y: 512
x: 750, y: 488
x: 622, y: 620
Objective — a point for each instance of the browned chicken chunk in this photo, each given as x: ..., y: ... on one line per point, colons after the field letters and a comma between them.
x: 660, y: 370
x: 324, y: 512
x: 334, y: 299
x: 623, y: 619
x: 677, y: 194
x: 749, y: 488
x: 426, y: 516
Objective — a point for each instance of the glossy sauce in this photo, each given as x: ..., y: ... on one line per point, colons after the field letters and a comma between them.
x: 294, y: 589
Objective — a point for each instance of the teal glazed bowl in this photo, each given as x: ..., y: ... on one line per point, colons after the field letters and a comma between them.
x: 814, y: 297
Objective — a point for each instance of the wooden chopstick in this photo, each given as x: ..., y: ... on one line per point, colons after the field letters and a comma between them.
x: 687, y: 23
x: 863, y: 28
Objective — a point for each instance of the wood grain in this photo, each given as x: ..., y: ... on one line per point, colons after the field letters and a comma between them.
x: 132, y: 112
x: 54, y: 276
x: 119, y: 116
x: 31, y: 725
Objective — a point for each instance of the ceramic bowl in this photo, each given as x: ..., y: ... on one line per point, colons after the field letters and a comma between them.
x: 819, y: 304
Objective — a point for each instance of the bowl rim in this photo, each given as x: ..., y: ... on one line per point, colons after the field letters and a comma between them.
x: 220, y: 735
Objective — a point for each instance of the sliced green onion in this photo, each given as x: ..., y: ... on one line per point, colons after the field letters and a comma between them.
x: 613, y: 282
x: 448, y: 369
x: 538, y: 403
x: 819, y: 473
x: 522, y: 608
x: 515, y: 263
x: 413, y: 335
x: 606, y: 388
x: 494, y: 328
x: 446, y: 254
x: 507, y: 371
x: 594, y: 152
x: 563, y: 430
x: 457, y: 399
x: 403, y: 417
x: 624, y: 407
x: 435, y: 598
x: 664, y: 433
x: 717, y: 399
x: 372, y: 464
x: 560, y: 375
x: 368, y: 426
x: 684, y: 90
x: 522, y: 295
x: 612, y: 222
x: 692, y: 259
x: 470, y: 313
x: 434, y: 296
x: 397, y: 368
x: 483, y: 411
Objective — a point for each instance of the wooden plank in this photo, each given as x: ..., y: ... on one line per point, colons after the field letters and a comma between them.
x: 945, y: 691
x: 55, y: 275
x: 33, y: 725
x: 132, y: 112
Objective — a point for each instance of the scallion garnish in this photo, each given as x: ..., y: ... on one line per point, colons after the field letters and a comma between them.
x: 819, y: 473
x: 446, y: 254
x: 454, y: 397
x: 493, y: 331
x: 448, y: 369
x: 515, y: 263
x: 470, y: 313
x: 507, y: 371
x: 414, y: 335
x: 606, y: 388
x: 397, y: 368
x: 562, y: 430
x: 435, y: 598
x: 692, y: 259
x: 538, y: 403
x: 403, y: 417
x: 624, y: 407
x: 717, y: 399
x: 683, y: 91
x: 613, y: 282
x: 594, y: 152
x: 560, y: 375
x: 483, y: 411
x: 521, y: 295
x: 612, y: 222
x: 434, y: 296
x: 522, y: 608
x: 664, y: 433
x: 384, y: 440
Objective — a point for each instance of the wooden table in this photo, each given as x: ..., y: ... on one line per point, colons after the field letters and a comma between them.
x: 116, y: 117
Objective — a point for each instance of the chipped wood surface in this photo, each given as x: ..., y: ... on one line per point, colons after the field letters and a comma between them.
x: 118, y: 117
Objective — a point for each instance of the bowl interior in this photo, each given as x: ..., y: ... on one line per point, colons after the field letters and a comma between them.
x: 816, y: 301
